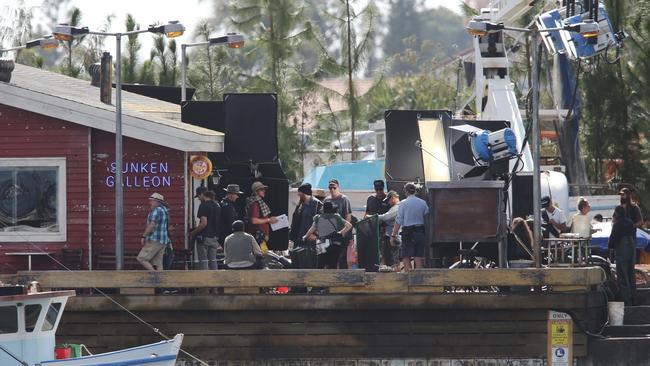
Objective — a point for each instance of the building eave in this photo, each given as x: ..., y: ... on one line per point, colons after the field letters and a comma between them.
x: 156, y: 130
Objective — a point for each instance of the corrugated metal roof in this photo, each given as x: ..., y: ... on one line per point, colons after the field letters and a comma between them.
x: 80, y: 91
x: 150, y: 116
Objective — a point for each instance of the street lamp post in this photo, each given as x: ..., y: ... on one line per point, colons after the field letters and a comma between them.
x: 64, y: 32
x: 232, y: 40
x: 588, y: 29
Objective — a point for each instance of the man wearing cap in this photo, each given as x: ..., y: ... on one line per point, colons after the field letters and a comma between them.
x: 411, y: 218
x: 554, y: 218
x: 155, y: 236
x: 632, y: 210
x: 303, y: 216
x: 344, y: 208
x: 389, y: 253
x: 377, y: 203
x: 207, y: 232
x: 229, y: 212
x: 258, y: 214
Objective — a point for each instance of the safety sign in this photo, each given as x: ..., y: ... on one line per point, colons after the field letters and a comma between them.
x: 560, y: 339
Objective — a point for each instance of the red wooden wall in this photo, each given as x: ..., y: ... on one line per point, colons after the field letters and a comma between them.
x: 146, y: 174
x: 27, y: 134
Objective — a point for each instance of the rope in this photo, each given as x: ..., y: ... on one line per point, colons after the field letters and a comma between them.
x: 151, y: 327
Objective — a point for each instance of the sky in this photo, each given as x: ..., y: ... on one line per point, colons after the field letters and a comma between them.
x: 188, y: 12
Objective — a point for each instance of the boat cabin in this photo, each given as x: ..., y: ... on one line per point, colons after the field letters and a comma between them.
x: 28, y: 323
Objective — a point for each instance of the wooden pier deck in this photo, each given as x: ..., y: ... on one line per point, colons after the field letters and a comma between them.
x: 363, y: 315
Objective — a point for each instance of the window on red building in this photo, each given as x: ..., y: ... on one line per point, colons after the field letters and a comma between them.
x: 32, y: 199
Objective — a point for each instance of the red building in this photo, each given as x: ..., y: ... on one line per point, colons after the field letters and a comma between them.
x: 57, y: 165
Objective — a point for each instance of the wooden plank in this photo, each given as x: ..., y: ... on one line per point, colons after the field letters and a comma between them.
x: 195, y: 279
x: 377, y: 282
x: 427, y: 301
x: 342, y: 281
x: 507, y: 277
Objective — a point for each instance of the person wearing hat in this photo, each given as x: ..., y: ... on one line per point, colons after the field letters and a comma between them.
x: 344, y: 208
x: 410, y: 218
x: 155, y: 237
x: 632, y: 210
x: 553, y: 218
x: 376, y: 202
x: 229, y: 213
x: 258, y: 214
x: 389, y: 253
x: 207, y: 231
x: 303, y: 216
x: 320, y: 194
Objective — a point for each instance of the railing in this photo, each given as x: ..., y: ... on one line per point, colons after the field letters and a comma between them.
x: 337, y: 281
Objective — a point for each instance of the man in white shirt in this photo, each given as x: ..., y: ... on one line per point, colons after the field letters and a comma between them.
x: 554, y: 220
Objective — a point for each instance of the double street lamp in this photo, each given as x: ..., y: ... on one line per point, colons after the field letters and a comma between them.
x: 64, y: 32
x: 232, y: 40
x: 588, y: 29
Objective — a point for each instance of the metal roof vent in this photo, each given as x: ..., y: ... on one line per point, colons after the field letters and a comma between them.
x: 94, y: 70
x: 6, y: 67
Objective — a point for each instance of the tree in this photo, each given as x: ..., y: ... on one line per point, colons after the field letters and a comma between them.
x: 133, y: 46
x: 70, y: 67
x: 403, y: 24
x: 165, y: 53
x: 276, y: 29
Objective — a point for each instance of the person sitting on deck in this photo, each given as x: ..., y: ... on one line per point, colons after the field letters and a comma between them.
x: 241, y: 250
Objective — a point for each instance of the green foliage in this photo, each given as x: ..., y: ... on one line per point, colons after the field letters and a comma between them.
x: 616, y: 103
x: 164, y: 52
x: 133, y: 46
x: 69, y: 66
x: 425, y: 34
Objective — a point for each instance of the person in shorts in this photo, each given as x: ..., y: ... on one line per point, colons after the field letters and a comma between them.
x: 411, y: 215
x: 156, y: 235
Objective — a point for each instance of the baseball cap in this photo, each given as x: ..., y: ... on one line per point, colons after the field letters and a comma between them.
x: 200, y: 190
x: 378, y: 184
x: 333, y: 181
x: 546, y: 201
x: 391, y: 194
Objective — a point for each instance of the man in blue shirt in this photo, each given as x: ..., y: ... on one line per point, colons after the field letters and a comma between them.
x: 156, y: 236
x: 411, y: 218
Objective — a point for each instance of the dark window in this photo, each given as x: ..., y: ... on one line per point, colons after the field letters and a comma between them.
x: 8, y: 319
x: 31, y: 316
x: 28, y: 199
x: 50, y: 317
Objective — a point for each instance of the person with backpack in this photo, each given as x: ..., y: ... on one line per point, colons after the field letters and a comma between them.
x: 330, y: 229
x: 207, y: 232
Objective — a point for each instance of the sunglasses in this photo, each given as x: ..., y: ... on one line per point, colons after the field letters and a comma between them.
x: 333, y: 188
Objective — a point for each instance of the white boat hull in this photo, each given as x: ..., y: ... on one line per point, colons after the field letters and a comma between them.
x: 156, y: 354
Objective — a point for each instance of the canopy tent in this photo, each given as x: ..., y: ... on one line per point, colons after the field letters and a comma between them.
x: 599, y: 239
x: 352, y: 175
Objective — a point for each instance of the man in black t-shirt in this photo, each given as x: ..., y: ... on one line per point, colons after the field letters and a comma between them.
x: 377, y: 203
x: 207, y: 232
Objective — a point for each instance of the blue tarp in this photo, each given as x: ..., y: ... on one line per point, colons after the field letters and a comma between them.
x: 352, y: 175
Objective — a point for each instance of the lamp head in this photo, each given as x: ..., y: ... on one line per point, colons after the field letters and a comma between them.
x: 65, y: 32
x: 587, y: 29
x: 172, y: 29
x: 232, y: 40
x: 481, y: 27
x: 44, y: 43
